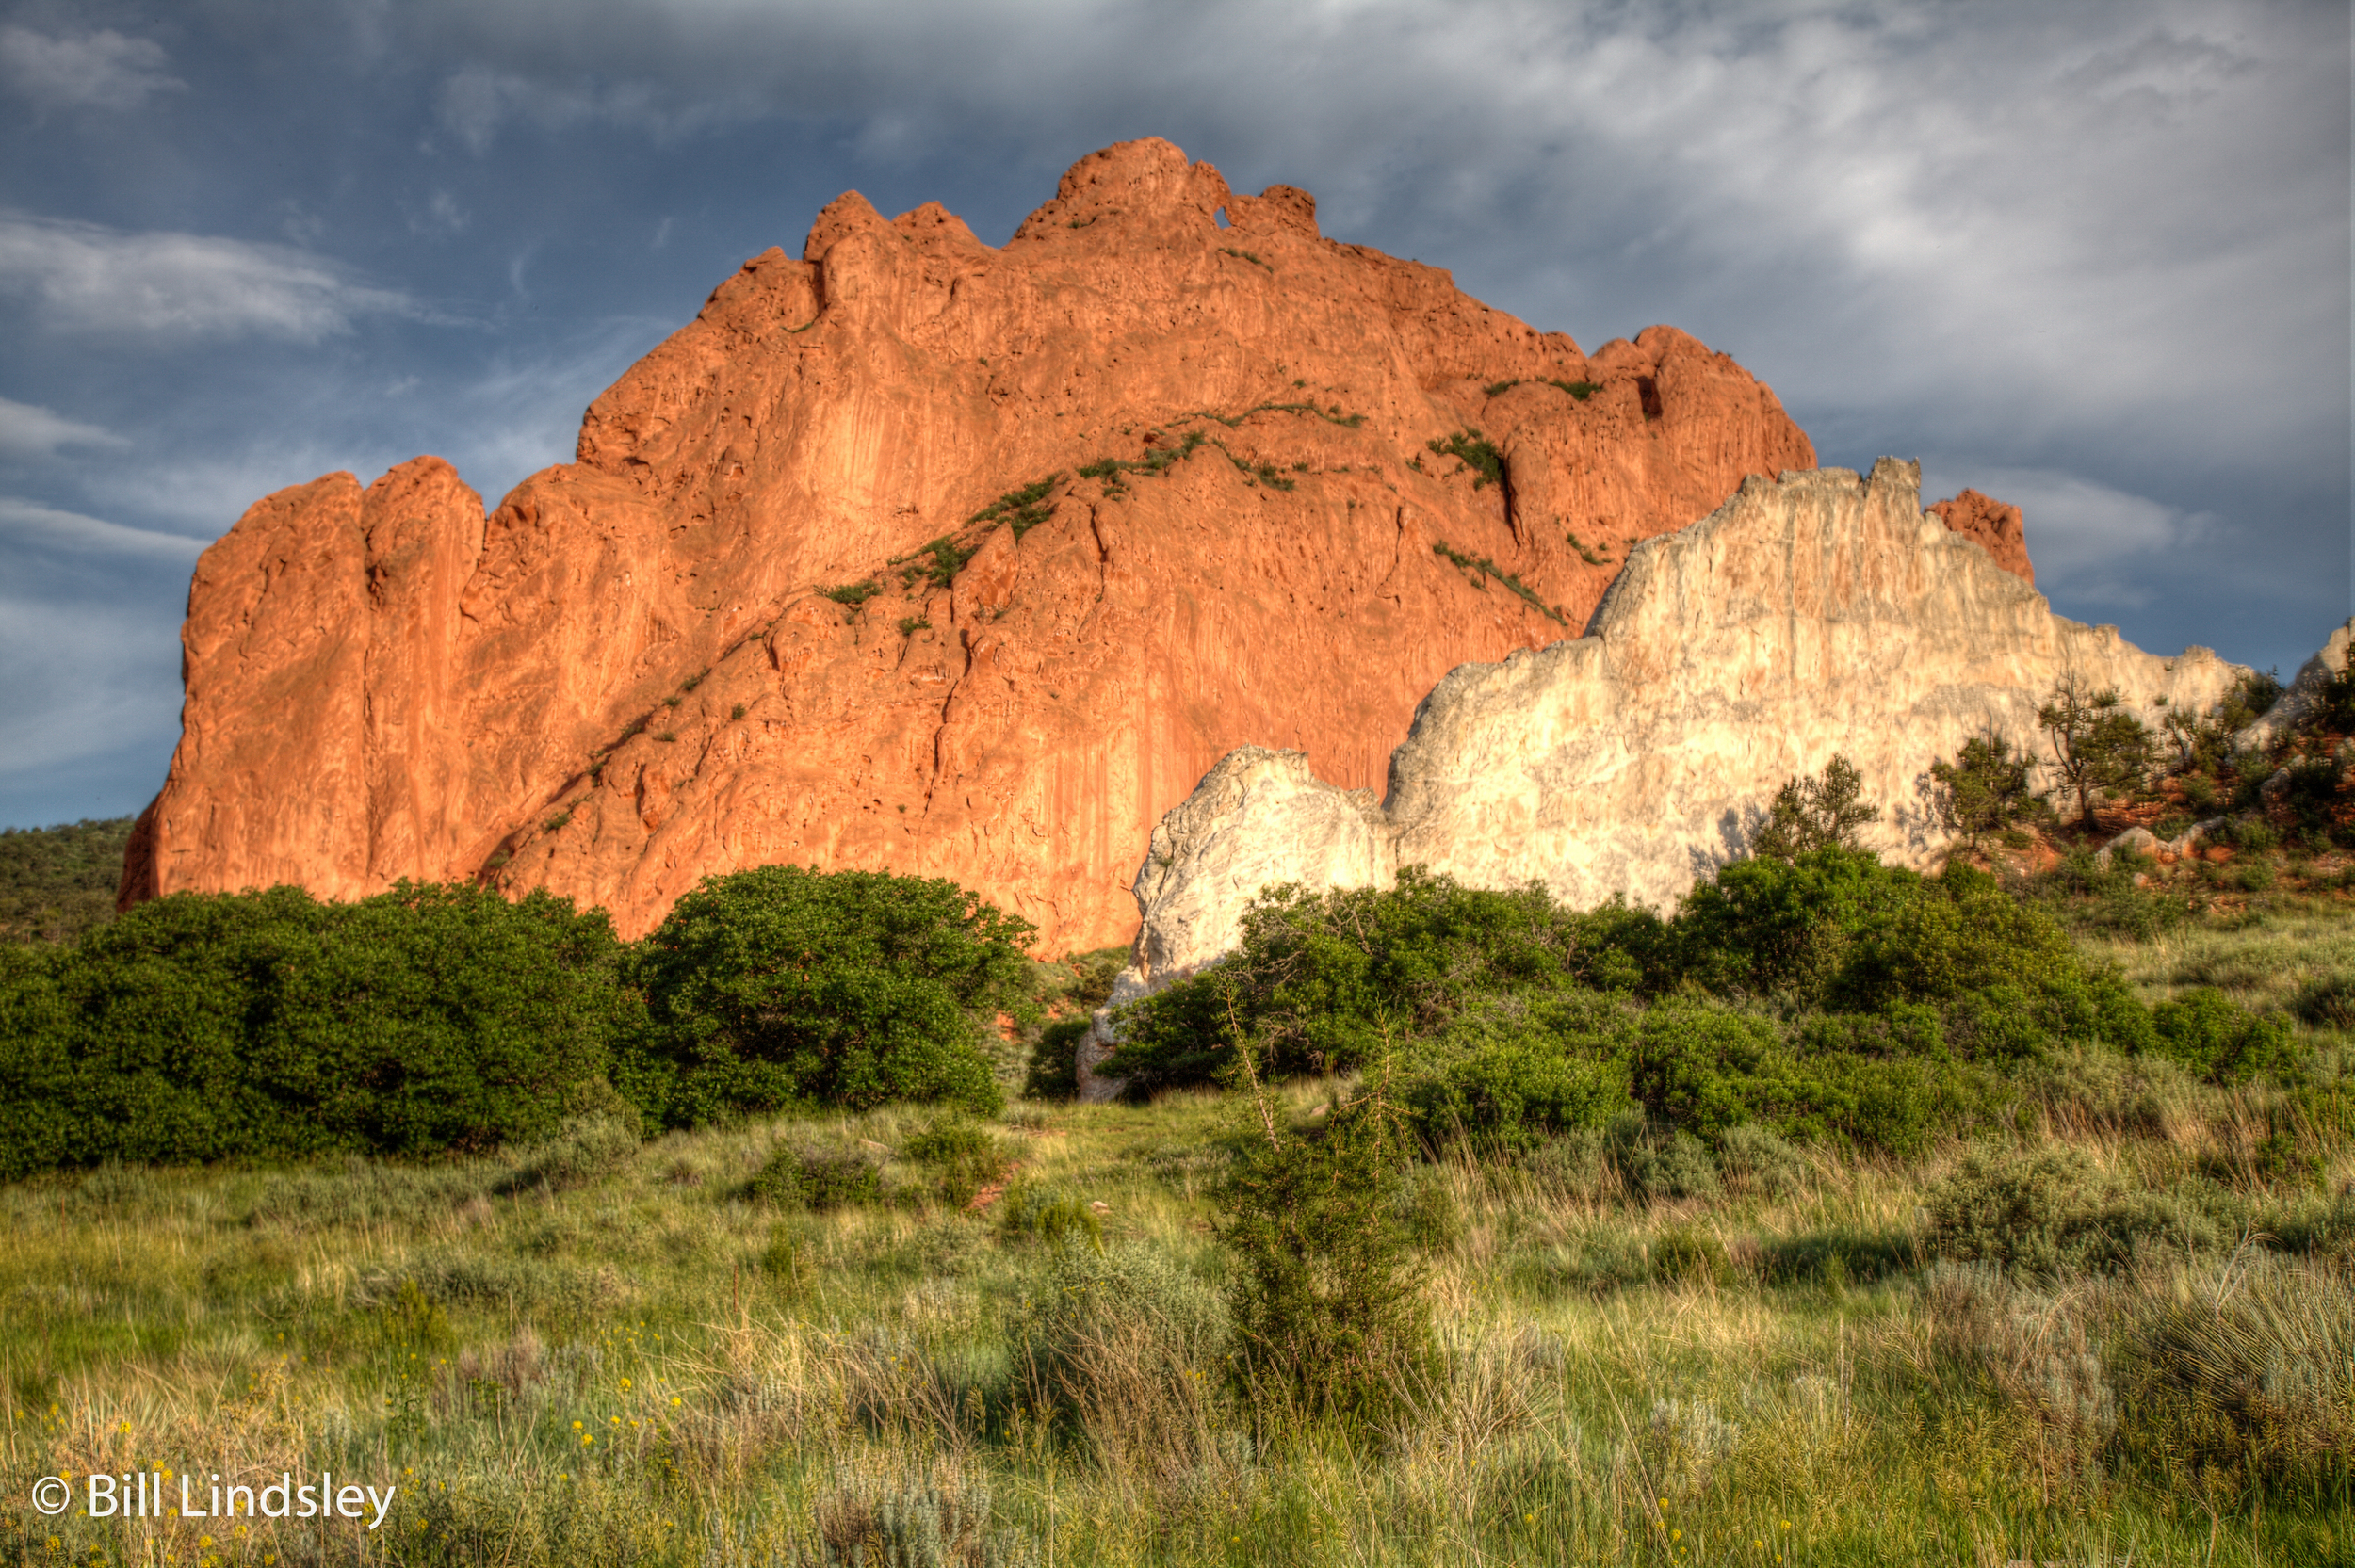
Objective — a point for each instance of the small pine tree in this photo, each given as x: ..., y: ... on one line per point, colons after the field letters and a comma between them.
x: 2099, y: 748
x: 1985, y: 790
x: 1817, y: 813
x: 1326, y: 1297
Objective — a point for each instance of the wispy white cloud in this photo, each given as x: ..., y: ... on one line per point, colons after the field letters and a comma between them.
x: 176, y: 288
x: 476, y: 102
x: 2093, y: 543
x: 29, y: 522
x: 441, y: 218
x: 30, y: 431
x: 102, y: 69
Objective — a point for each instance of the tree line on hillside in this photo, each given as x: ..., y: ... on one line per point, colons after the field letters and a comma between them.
x: 58, y: 882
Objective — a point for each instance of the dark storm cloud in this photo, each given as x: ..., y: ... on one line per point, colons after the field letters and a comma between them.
x: 2099, y: 252
x: 2092, y: 258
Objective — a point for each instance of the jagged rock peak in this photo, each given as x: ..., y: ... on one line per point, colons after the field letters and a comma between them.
x: 784, y: 607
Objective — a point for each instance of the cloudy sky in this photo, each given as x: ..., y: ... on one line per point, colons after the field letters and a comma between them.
x: 2092, y: 258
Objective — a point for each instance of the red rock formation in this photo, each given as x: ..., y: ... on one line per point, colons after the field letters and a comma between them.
x: 632, y: 674
x: 1995, y: 525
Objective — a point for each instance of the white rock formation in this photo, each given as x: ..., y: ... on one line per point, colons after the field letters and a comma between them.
x: 1821, y: 614
x: 1257, y: 818
x: 2304, y: 692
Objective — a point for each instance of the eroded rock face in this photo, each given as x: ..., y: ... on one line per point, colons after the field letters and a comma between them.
x: 1820, y: 614
x: 631, y: 675
x: 2305, y: 692
x: 1995, y: 524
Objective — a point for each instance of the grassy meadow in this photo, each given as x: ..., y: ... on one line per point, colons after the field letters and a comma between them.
x: 602, y: 1350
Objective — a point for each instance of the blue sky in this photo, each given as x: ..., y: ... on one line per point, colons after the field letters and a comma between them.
x: 2090, y: 258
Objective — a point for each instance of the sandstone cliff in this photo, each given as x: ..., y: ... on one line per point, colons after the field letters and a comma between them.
x: 777, y: 611
x: 1823, y: 613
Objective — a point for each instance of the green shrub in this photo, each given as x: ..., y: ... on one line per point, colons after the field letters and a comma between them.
x: 1984, y: 789
x: 1476, y: 452
x: 1053, y: 1073
x: 2318, y: 1226
x: 271, y: 1027
x: 1676, y: 1165
x: 1480, y: 571
x: 1325, y: 1297
x: 935, y: 564
x: 1837, y: 1258
x: 2251, y: 835
x: 795, y: 1177
x: 1317, y: 978
x: 1768, y: 927
x: 1707, y: 1069
x: 2050, y: 1211
x: 1686, y: 1254
x: 1817, y: 812
x: 783, y: 987
x: 2013, y: 1212
x: 1756, y: 1158
x: 2207, y: 740
x: 924, y: 1524
x: 1049, y: 1214
x: 1574, y: 1165
x: 1129, y: 1349
x: 585, y: 1149
x: 1510, y: 1072
x: 2205, y: 1032
x: 1958, y: 933
x: 2327, y: 1001
x: 958, y: 1157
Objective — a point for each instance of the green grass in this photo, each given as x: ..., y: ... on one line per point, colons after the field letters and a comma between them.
x: 852, y: 594
x: 1023, y: 510
x: 1607, y: 1370
x: 601, y: 1350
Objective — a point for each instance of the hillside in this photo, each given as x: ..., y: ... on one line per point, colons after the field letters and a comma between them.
x: 58, y: 882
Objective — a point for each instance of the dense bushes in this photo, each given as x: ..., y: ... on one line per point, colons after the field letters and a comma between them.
x: 1824, y: 997
x: 271, y: 1027
x: 782, y: 987
x: 1320, y: 981
x: 1821, y: 998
